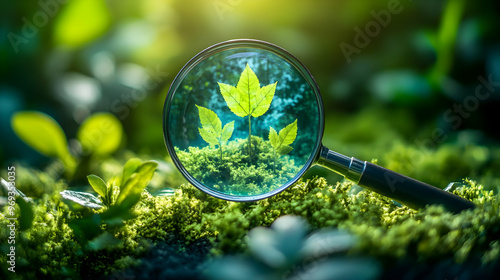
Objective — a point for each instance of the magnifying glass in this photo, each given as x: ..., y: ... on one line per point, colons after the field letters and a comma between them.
x: 243, y: 120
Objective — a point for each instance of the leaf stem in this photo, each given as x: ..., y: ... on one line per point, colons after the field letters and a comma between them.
x: 274, y: 166
x: 220, y: 148
x: 250, y: 138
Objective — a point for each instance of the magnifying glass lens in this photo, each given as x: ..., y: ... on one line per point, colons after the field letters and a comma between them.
x: 243, y: 120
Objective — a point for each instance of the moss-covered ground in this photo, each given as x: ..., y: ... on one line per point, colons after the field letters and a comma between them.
x: 180, y: 235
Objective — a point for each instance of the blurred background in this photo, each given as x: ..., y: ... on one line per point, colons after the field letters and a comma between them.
x: 413, y: 84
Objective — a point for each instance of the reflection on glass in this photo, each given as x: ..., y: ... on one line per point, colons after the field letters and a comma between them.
x: 243, y: 121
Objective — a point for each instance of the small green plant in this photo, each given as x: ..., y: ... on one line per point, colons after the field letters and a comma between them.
x: 136, y: 176
x: 212, y: 131
x: 280, y: 142
x: 99, y: 135
x: 118, y: 204
x: 248, y: 99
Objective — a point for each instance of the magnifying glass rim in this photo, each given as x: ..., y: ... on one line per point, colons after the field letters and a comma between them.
x: 223, y: 46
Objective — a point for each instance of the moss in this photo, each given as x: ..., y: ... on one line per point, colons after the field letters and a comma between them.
x: 237, y: 174
x: 397, y: 235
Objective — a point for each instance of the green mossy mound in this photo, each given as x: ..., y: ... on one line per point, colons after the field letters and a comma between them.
x: 237, y: 174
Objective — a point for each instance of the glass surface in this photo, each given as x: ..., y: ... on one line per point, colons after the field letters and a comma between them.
x: 226, y: 96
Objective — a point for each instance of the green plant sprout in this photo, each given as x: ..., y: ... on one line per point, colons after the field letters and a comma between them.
x: 212, y: 131
x: 136, y: 176
x: 99, y: 136
x: 248, y: 99
x: 118, y: 204
x: 280, y: 142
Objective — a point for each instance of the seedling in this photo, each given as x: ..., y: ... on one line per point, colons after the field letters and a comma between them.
x: 136, y: 176
x: 248, y: 99
x: 118, y: 204
x: 212, y: 131
x: 281, y: 142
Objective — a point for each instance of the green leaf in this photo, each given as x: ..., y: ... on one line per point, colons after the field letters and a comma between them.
x: 82, y: 198
x: 26, y: 215
x: 86, y: 229
x: 227, y: 131
x: 237, y: 101
x: 81, y: 21
x: 248, y: 98
x: 248, y: 83
x: 98, y: 185
x: 262, y: 100
x: 280, y: 142
x: 288, y: 134
x: 284, y: 150
x: 41, y: 132
x: 131, y: 190
x: 211, y: 130
x: 129, y: 168
x: 209, y: 120
x: 100, y: 134
x: 273, y: 137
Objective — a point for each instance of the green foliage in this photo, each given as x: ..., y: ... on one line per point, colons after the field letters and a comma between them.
x: 130, y: 190
x: 100, y: 135
x: 98, y: 185
x: 72, y: 27
x: 281, y: 142
x: 135, y: 177
x: 212, y: 131
x: 248, y: 98
x: 43, y: 134
x: 26, y: 214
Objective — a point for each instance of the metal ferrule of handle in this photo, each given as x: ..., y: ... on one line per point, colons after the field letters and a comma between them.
x: 351, y: 168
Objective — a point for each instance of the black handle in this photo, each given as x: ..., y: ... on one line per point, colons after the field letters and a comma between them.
x: 408, y: 191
